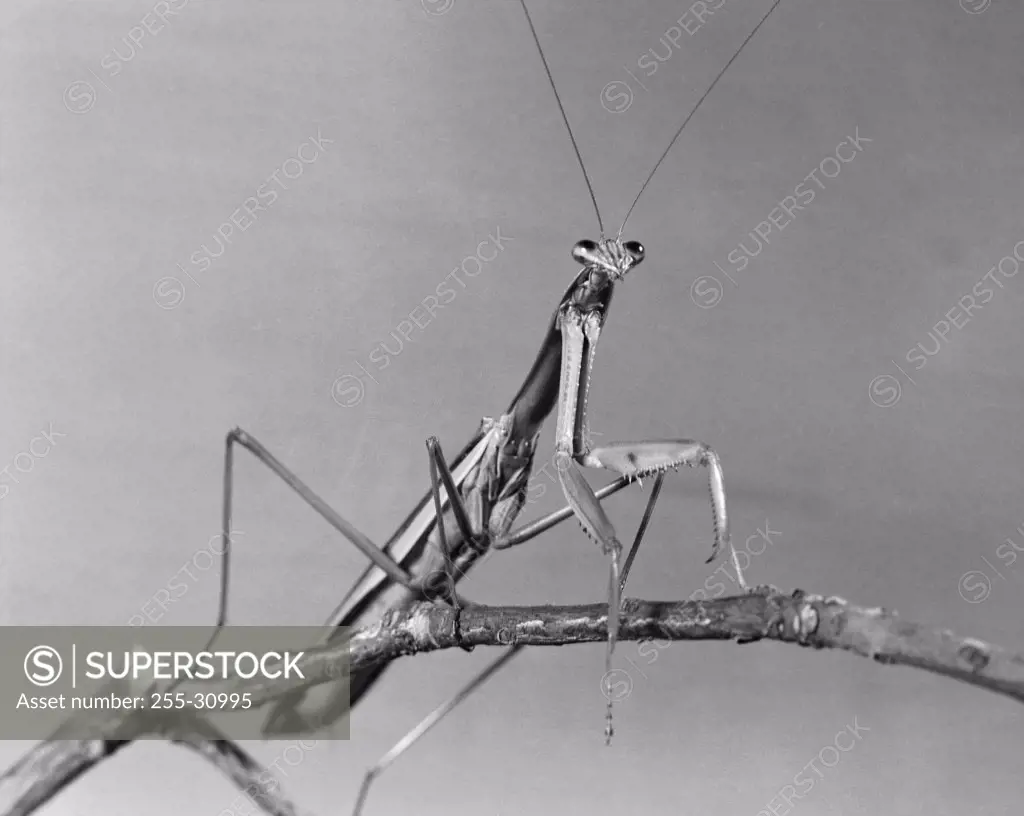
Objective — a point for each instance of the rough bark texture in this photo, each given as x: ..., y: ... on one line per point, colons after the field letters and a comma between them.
x: 766, y: 614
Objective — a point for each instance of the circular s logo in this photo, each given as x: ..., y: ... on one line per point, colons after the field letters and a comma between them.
x: 975, y: 6
x: 974, y: 586
x: 79, y: 97
x: 884, y: 390
x: 43, y: 666
x: 616, y: 685
x: 616, y: 96
x: 348, y: 391
x: 706, y: 292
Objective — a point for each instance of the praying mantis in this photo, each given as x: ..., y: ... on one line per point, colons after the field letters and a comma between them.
x: 474, y: 501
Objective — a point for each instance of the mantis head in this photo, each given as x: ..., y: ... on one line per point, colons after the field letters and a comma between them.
x: 612, y: 255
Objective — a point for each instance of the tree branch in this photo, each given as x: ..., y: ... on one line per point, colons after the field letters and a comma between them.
x: 55, y: 763
x: 765, y: 614
x: 249, y: 775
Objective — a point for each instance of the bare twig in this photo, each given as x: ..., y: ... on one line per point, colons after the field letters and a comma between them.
x: 54, y: 764
x: 249, y: 775
x: 47, y: 769
x: 766, y: 614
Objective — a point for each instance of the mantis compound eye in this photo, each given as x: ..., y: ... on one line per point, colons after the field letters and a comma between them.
x: 635, y: 250
x: 586, y: 252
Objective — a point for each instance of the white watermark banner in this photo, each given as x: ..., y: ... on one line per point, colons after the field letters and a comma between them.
x: 57, y: 672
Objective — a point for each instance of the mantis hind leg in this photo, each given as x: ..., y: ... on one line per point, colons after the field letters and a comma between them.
x: 237, y: 436
x: 287, y: 718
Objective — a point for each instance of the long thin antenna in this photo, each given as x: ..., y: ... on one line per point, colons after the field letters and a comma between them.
x: 565, y: 118
x: 692, y: 112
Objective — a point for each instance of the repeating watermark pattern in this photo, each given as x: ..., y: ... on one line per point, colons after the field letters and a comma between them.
x: 617, y: 96
x: 255, y: 797
x: 976, y: 585
x: 80, y: 96
x: 975, y: 6
x: 707, y: 291
x: 788, y: 794
x: 885, y: 390
x: 24, y: 462
x: 618, y: 684
x: 177, y: 587
x: 349, y: 390
x: 169, y: 291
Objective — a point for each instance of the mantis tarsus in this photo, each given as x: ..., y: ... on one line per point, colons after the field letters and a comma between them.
x: 480, y: 495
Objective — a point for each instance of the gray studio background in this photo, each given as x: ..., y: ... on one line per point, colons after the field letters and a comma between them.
x: 442, y: 129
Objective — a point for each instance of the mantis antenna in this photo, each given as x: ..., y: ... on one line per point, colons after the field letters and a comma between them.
x: 657, y: 164
x: 693, y: 110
